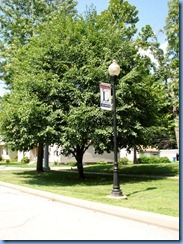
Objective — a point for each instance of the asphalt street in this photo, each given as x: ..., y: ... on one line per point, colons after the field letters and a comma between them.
x: 25, y: 216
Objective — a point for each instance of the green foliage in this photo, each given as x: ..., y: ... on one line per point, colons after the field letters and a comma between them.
x: 164, y: 160
x: 139, y: 120
x: 18, y: 19
x: 172, y: 27
x: 18, y: 23
x: 1, y: 158
x: 7, y: 161
x: 123, y: 161
x: 72, y: 164
x: 153, y: 160
x: 172, y: 32
x: 55, y: 80
x: 102, y: 162
x: 172, y: 61
x: 25, y: 160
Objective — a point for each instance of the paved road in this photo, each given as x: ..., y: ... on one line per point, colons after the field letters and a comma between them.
x: 27, y: 217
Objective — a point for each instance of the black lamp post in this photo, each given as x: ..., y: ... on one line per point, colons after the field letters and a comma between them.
x: 114, y: 71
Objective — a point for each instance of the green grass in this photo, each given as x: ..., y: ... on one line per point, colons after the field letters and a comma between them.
x: 148, y: 194
x: 166, y: 169
x: 16, y: 164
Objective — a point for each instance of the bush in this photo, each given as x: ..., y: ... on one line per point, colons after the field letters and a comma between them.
x: 153, y: 160
x: 72, y: 164
x: 25, y: 160
x: 123, y: 161
x: 1, y: 158
x: 102, y: 162
x: 164, y: 160
x: 7, y: 161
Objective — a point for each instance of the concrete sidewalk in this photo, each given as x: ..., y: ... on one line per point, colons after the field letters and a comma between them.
x: 160, y: 220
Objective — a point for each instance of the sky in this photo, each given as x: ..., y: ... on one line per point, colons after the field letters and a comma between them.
x: 152, y: 12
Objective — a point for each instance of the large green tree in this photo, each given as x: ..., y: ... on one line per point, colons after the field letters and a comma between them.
x: 61, y: 68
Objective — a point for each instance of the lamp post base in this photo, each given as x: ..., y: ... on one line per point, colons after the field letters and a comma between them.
x: 116, y: 193
x: 117, y: 196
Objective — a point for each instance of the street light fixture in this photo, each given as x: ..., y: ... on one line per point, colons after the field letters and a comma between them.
x: 114, y: 70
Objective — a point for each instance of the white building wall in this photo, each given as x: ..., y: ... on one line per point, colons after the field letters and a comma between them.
x: 89, y: 157
x: 169, y: 153
x: 23, y: 154
x: 31, y: 155
x: 129, y: 155
x: 7, y: 153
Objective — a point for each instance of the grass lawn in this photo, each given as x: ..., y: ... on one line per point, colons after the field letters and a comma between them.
x: 17, y: 165
x: 166, y: 169
x: 148, y: 194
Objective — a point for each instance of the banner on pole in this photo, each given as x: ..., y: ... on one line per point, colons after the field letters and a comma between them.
x: 105, y: 96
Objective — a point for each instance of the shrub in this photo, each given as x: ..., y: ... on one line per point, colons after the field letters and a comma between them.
x: 143, y: 160
x: 25, y: 160
x: 153, y: 160
x: 7, y: 161
x: 72, y: 164
x: 123, y: 161
x: 1, y: 158
x: 164, y: 160
x: 102, y: 162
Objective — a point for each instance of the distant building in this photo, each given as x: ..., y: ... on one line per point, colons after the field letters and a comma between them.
x: 89, y: 157
x: 171, y: 154
x: 31, y: 155
x: 7, y: 153
x: 55, y: 157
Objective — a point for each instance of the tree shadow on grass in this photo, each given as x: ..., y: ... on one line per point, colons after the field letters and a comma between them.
x: 147, y: 189
x: 63, y: 178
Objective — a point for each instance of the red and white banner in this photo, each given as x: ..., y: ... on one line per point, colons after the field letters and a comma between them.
x: 105, y: 96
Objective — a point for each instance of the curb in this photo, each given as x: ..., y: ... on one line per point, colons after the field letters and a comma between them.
x: 160, y: 220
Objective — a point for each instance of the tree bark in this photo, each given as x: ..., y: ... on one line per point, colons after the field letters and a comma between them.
x: 177, y: 130
x: 79, y: 159
x: 40, y: 158
x: 135, y: 155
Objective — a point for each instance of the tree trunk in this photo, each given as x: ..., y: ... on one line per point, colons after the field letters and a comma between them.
x: 177, y: 130
x: 40, y: 158
x: 135, y: 155
x: 79, y: 159
x: 177, y: 136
